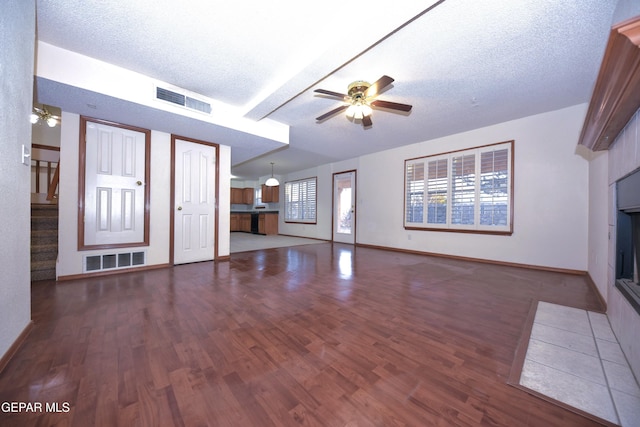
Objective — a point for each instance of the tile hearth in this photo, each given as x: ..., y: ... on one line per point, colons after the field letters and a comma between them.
x: 574, y: 357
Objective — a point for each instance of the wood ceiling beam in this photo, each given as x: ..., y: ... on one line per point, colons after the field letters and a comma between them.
x: 616, y: 96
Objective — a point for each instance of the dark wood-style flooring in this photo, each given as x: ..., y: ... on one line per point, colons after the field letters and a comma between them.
x: 318, y: 335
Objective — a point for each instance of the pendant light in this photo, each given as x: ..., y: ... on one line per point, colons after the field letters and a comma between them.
x: 271, y: 182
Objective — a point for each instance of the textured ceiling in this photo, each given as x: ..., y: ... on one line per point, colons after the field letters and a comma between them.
x: 462, y: 64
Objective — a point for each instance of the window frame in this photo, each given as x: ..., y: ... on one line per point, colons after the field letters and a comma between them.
x: 287, y: 201
x: 423, y: 216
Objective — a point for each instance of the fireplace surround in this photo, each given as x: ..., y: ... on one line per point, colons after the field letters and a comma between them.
x: 628, y: 238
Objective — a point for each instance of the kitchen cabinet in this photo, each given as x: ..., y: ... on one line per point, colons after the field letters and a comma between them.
x: 245, y: 222
x: 234, y: 222
x: 242, y: 196
x: 247, y: 196
x: 268, y: 223
x: 236, y: 196
x: 270, y: 194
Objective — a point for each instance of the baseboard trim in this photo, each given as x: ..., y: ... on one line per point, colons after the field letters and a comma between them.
x: 593, y: 285
x: 112, y: 272
x: 6, y: 358
x: 304, y: 237
x: 481, y: 260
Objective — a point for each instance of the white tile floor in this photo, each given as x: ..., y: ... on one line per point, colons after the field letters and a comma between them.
x: 574, y: 357
x: 242, y: 242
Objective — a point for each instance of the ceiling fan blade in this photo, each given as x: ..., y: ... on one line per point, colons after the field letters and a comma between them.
x: 391, y: 105
x: 328, y: 92
x: 377, y: 87
x: 366, y: 121
x: 332, y: 112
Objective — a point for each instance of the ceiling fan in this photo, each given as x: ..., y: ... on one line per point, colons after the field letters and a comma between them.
x: 361, y: 97
x: 42, y: 114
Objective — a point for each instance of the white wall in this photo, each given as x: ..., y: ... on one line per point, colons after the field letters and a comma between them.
x: 324, y: 174
x: 550, y: 202
x: 224, y: 202
x: 45, y: 135
x: 70, y: 260
x: 17, y: 29
x: 550, y: 195
x: 599, y: 206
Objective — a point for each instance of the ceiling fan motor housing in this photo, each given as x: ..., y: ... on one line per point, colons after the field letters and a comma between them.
x: 357, y: 90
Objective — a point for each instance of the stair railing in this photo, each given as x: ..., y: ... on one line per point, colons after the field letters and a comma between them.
x: 46, y: 156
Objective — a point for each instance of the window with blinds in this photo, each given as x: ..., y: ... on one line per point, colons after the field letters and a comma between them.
x: 437, y: 190
x: 300, y: 200
x: 468, y: 190
x: 415, y: 193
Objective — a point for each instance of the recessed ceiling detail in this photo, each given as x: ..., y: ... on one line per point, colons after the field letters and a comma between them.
x: 516, y: 59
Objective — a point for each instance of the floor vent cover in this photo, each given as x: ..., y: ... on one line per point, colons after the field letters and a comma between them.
x: 114, y: 261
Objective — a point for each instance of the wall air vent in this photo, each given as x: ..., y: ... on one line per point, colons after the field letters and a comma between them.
x: 114, y: 261
x: 182, y: 100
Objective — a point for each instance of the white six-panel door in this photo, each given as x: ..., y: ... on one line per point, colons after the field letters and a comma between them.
x: 194, y: 204
x: 114, y: 204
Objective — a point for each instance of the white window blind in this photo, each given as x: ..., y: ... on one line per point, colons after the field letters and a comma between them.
x: 466, y: 190
x: 415, y: 192
x: 463, y: 189
x: 300, y: 200
x: 494, y: 190
x: 437, y: 190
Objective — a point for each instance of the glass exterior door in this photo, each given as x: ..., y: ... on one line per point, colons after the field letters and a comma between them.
x: 344, y: 207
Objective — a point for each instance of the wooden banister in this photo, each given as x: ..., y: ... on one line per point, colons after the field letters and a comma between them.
x: 53, y: 185
x: 44, y: 154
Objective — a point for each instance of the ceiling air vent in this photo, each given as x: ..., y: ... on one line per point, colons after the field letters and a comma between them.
x: 182, y: 100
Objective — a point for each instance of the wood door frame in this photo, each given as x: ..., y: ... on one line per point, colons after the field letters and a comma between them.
x: 172, y: 203
x: 82, y: 168
x: 333, y: 203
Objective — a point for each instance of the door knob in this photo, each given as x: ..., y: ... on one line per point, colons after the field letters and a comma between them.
x: 179, y: 208
x: 139, y: 182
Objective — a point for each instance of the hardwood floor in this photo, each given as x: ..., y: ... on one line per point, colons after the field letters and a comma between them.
x: 318, y: 335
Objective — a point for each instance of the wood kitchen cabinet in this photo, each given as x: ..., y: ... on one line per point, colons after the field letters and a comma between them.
x: 270, y: 194
x: 242, y: 196
x: 236, y: 196
x: 268, y: 223
x: 245, y: 222
x: 247, y: 196
x: 234, y: 222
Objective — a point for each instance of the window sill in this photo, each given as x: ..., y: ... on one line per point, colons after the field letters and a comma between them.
x: 461, y: 230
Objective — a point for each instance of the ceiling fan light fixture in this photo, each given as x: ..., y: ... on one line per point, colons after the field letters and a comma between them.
x: 272, y: 182
x: 351, y: 111
x: 360, y: 99
x: 358, y: 111
x: 42, y: 114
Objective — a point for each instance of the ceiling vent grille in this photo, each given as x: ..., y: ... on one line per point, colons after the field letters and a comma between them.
x: 182, y: 100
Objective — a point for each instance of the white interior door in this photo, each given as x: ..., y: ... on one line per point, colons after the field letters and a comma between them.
x: 114, y: 196
x: 194, y: 204
x: 344, y: 207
